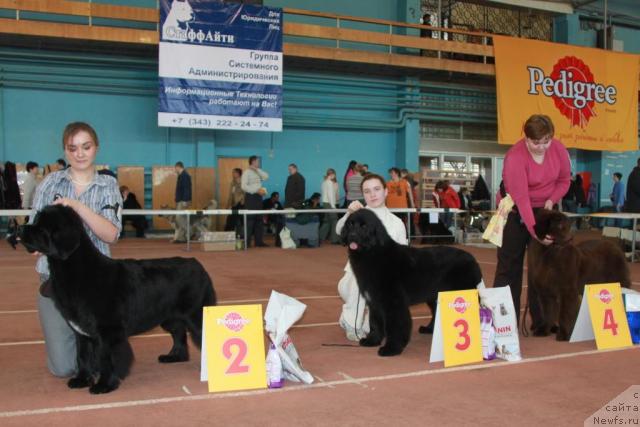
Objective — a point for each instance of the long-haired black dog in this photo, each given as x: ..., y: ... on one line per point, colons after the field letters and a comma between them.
x: 107, y: 300
x: 391, y: 277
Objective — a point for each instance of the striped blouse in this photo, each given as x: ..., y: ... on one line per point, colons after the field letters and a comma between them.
x: 101, y: 196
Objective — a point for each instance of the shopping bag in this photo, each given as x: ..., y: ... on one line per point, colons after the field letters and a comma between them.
x: 494, y: 230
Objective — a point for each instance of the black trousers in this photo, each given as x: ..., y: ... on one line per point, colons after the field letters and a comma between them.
x: 510, y: 268
x: 234, y: 221
x: 255, y: 226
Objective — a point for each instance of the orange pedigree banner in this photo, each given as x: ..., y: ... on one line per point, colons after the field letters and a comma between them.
x: 590, y: 94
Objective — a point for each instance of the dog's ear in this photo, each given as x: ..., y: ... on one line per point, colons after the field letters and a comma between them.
x: 380, y: 234
x: 542, y: 225
x: 63, y: 243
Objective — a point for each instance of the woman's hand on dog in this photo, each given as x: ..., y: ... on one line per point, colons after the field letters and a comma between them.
x: 64, y: 201
x: 548, y: 239
x: 354, y: 206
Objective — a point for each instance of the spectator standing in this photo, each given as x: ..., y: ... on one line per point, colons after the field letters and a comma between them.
x: 399, y: 195
x: 351, y: 169
x: 183, y: 201
x: 295, y: 188
x: 354, y: 187
x: 617, y: 193
x: 330, y: 194
x: 633, y: 189
x: 29, y: 185
x: 236, y: 201
x: 251, y: 183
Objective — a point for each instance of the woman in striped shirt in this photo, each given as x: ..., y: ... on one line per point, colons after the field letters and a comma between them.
x: 97, y: 200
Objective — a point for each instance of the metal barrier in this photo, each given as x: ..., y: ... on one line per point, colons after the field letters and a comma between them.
x: 246, y: 212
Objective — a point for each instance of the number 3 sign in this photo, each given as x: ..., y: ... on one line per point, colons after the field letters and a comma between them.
x: 457, y: 329
x: 233, y: 348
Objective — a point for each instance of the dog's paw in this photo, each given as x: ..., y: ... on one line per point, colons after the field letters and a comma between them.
x: 562, y: 335
x: 540, y: 332
x: 173, y: 358
x: 78, y: 382
x: 425, y: 329
x: 104, y: 387
x: 370, y: 342
x: 389, y: 350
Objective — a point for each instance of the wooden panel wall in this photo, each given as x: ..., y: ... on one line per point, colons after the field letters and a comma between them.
x: 164, y: 189
x: 133, y: 177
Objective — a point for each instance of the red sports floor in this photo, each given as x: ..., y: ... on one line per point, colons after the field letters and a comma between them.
x: 555, y: 384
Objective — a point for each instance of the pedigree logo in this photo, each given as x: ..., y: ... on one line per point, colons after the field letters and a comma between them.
x: 605, y: 296
x: 460, y: 305
x: 572, y: 87
x: 233, y: 321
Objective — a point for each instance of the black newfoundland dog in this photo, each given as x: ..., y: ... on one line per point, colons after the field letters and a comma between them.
x: 558, y: 273
x: 391, y: 277
x: 107, y: 300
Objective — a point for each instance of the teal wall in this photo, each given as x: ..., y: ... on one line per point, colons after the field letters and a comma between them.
x: 329, y: 119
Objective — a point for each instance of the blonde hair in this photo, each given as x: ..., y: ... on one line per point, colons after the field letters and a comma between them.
x: 329, y: 172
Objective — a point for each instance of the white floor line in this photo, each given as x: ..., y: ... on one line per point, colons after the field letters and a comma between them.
x: 353, y: 380
x: 304, y: 325
x: 220, y: 302
x: 328, y: 384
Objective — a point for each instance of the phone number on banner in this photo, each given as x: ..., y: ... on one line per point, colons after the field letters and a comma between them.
x: 219, y: 122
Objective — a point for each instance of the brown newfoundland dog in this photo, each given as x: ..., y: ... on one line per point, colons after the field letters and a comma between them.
x: 558, y: 272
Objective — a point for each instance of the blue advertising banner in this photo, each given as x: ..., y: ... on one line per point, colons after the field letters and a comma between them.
x: 220, y: 66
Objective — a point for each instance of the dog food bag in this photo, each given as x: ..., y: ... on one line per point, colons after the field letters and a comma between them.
x: 488, y: 334
x: 494, y: 230
x: 286, y: 239
x: 505, y: 325
x: 281, y: 313
x: 632, y: 306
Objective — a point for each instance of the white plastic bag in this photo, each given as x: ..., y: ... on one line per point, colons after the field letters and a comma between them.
x: 505, y: 324
x: 281, y: 313
x: 285, y: 238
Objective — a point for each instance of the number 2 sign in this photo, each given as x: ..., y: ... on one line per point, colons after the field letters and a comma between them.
x: 233, y: 348
x: 608, y: 317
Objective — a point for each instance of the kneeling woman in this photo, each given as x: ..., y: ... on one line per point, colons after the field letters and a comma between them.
x: 354, y: 318
x: 96, y: 198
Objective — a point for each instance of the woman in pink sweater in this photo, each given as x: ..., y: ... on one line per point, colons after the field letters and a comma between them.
x: 536, y: 173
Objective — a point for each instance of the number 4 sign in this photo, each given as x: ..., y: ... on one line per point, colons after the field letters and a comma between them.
x: 457, y: 329
x: 602, y: 315
x: 232, y: 356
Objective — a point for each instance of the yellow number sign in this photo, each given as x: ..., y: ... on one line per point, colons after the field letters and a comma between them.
x: 460, y: 314
x: 608, y: 317
x: 234, y: 342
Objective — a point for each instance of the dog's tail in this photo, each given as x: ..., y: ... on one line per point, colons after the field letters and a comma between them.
x: 194, y: 320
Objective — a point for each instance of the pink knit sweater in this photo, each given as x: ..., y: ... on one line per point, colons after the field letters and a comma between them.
x: 531, y: 184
